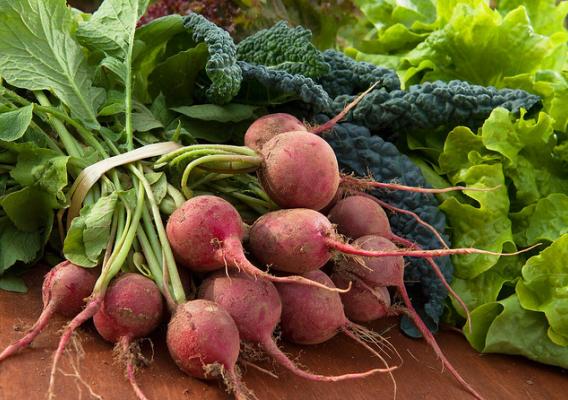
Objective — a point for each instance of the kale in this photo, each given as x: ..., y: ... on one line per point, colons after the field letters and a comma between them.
x: 265, y: 86
x: 221, y: 67
x: 359, y: 152
x: 433, y: 105
x: 283, y: 48
x: 349, y: 77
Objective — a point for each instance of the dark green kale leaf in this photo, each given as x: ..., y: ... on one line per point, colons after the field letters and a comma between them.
x: 284, y: 48
x: 265, y: 86
x: 350, y: 77
x: 429, y: 106
x: 221, y: 67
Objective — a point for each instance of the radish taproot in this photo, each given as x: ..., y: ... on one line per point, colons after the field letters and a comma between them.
x: 205, y: 234
x: 132, y: 308
x: 255, y: 306
x: 389, y: 271
x: 64, y: 290
x: 204, y: 342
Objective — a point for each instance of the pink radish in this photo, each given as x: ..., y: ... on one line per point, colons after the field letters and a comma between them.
x: 64, y: 290
x: 268, y: 126
x: 205, y: 234
x: 360, y: 215
x: 301, y: 240
x: 311, y: 315
x: 255, y: 307
x: 363, y: 303
x: 204, y: 342
x: 299, y: 169
x: 389, y: 271
x: 132, y: 308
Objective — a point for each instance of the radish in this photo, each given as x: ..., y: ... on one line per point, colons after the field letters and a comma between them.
x: 255, y: 307
x: 389, y: 271
x: 299, y: 169
x: 363, y: 303
x: 302, y: 240
x: 132, y: 308
x: 311, y: 315
x: 64, y: 290
x: 204, y: 342
x: 361, y: 215
x: 205, y: 234
x: 270, y: 125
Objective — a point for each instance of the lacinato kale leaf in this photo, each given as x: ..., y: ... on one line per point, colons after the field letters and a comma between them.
x: 264, y: 86
x: 349, y: 77
x: 284, y: 48
x: 430, y: 106
x: 221, y: 67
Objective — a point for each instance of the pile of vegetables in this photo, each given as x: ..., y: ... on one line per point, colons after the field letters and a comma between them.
x: 122, y: 160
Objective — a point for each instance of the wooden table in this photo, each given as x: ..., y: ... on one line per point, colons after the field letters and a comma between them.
x: 25, y: 376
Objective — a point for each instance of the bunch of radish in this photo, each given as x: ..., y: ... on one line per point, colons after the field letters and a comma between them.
x: 238, y: 300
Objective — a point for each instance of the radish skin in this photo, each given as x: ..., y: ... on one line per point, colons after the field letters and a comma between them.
x: 255, y: 307
x: 64, y: 290
x: 270, y: 125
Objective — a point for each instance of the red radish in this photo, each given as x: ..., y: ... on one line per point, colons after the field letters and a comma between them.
x: 132, y: 308
x: 389, y: 271
x: 312, y: 315
x: 299, y: 169
x: 362, y: 215
x: 301, y: 240
x: 64, y: 290
x: 205, y: 234
x: 268, y: 126
x: 255, y: 307
x: 363, y: 303
x: 204, y: 342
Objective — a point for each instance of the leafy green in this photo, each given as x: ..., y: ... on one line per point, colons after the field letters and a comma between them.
x: 38, y: 52
x: 89, y: 233
x: 546, y: 219
x: 17, y: 245
x: 284, y: 48
x: 211, y: 112
x: 12, y: 283
x: 544, y: 287
x: 13, y: 124
x: 506, y: 327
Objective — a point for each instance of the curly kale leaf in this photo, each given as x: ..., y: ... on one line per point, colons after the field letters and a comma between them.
x: 359, y: 152
x: 434, y: 105
x: 265, y: 86
x: 284, y: 48
x: 349, y: 77
x: 221, y: 66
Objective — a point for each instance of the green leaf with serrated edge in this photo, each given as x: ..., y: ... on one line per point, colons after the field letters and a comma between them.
x: 38, y: 52
x: 30, y: 209
x: 18, y: 246
x: 13, y: 124
x: 89, y: 232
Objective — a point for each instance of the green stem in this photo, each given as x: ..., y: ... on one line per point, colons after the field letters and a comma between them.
x: 193, y: 154
x: 119, y: 255
x: 214, y: 158
x: 151, y: 258
x: 246, y: 151
x: 71, y: 146
x: 152, y: 236
x: 178, y: 291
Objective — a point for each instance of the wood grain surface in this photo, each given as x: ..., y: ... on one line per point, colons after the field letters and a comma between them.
x: 25, y: 376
